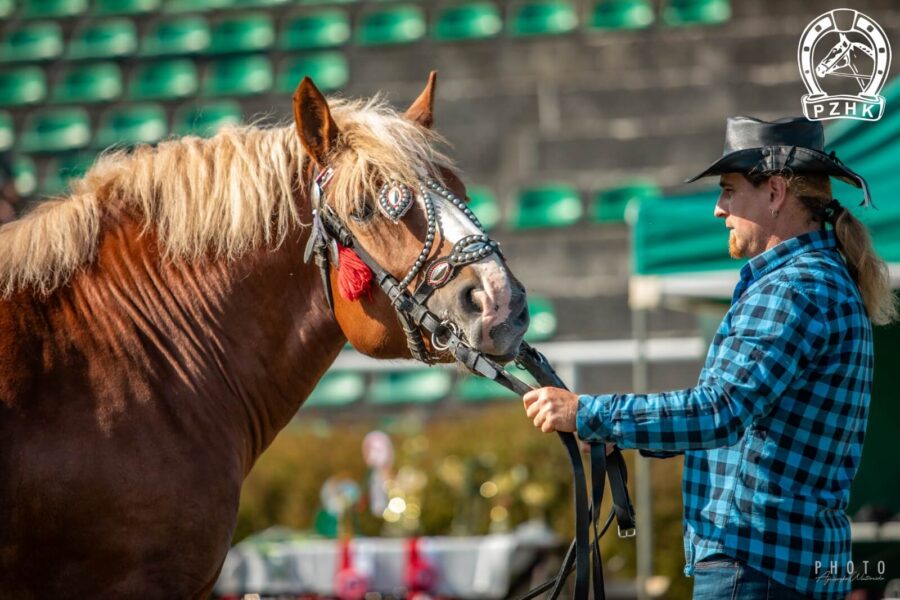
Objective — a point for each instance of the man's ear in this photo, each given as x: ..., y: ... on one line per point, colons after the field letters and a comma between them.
x: 778, y: 192
x: 317, y: 130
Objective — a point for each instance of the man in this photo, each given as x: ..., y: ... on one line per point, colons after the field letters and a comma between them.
x: 772, y: 433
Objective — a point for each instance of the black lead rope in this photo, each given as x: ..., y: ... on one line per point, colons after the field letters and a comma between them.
x: 602, y: 466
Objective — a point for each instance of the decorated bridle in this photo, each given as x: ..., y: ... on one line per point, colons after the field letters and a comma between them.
x: 394, y: 201
x: 331, y: 241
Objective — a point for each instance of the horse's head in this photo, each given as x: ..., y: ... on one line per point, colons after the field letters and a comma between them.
x: 398, y: 197
x: 836, y: 58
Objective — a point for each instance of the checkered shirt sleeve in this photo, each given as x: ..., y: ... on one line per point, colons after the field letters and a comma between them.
x: 774, y: 334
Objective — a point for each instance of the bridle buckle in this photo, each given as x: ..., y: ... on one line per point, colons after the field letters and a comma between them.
x: 451, y: 329
x: 627, y: 533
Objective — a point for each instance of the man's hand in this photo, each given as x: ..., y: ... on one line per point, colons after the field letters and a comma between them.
x: 552, y: 409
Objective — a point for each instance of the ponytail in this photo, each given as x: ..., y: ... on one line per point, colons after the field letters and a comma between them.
x: 868, y: 270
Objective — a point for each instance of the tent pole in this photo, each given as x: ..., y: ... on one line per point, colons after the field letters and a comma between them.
x: 642, y: 484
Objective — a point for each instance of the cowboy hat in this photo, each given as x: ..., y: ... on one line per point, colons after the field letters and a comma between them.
x: 795, y: 144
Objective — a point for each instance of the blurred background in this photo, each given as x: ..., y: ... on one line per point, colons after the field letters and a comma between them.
x: 574, y: 123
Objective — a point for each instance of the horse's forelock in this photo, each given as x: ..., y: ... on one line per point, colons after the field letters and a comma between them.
x: 378, y: 144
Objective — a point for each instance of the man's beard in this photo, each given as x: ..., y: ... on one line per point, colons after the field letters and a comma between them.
x: 735, y: 249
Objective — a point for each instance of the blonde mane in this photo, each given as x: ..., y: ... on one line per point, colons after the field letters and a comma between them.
x: 220, y: 196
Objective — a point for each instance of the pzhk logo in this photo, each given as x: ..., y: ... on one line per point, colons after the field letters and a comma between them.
x: 846, y: 52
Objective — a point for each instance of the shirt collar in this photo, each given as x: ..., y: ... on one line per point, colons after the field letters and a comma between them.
x: 775, y: 257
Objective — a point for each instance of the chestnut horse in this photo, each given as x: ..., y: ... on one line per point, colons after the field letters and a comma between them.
x: 159, y: 326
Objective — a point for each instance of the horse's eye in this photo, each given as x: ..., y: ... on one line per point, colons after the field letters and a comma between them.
x: 363, y: 213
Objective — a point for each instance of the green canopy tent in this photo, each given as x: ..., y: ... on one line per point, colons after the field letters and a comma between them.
x: 680, y: 260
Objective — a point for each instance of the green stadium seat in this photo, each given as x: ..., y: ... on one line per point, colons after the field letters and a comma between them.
x: 621, y: 14
x: 125, y: 7
x: 182, y: 6
x: 337, y: 389
x: 24, y: 175
x: 546, y: 206
x: 472, y: 388
x: 328, y: 1
x: 64, y: 168
x: 417, y: 386
x: 329, y: 71
x: 32, y: 41
x: 176, y: 35
x: 257, y: 3
x: 608, y: 206
x: 129, y: 125
x: 22, y: 85
x: 484, y: 204
x: 206, y: 118
x: 470, y: 21
x: 242, y: 33
x: 322, y: 29
x: 543, y: 17
x: 543, y: 319
x: 52, y: 9
x: 398, y: 24
x: 478, y: 389
x: 697, y: 12
x: 110, y: 38
x: 166, y: 79
x: 56, y: 130
x: 238, y: 76
x: 96, y: 82
x: 7, y: 132
x: 7, y: 7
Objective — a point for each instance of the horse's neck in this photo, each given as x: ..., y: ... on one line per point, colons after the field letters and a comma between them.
x: 245, y: 341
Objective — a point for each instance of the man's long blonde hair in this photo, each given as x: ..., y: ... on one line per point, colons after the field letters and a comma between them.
x: 868, y: 270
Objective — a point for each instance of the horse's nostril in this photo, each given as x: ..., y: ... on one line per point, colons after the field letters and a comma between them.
x: 468, y: 299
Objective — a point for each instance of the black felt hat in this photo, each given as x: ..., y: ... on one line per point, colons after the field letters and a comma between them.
x: 793, y: 143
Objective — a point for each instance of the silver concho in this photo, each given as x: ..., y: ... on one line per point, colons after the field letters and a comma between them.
x: 439, y: 273
x: 475, y: 247
x: 394, y: 200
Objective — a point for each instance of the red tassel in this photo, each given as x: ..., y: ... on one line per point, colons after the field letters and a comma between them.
x: 354, y: 276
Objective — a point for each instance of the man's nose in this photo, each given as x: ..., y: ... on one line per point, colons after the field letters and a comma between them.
x: 720, y: 212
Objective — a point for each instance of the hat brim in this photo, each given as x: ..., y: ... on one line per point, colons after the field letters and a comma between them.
x: 804, y: 160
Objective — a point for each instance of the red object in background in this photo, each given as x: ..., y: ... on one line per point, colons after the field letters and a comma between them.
x: 354, y: 276
x: 349, y: 584
x: 421, y: 577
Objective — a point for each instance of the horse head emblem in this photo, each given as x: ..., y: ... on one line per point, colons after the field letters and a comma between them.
x: 846, y: 55
x: 839, y: 45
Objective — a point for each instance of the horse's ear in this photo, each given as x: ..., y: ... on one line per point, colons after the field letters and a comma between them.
x: 422, y: 110
x: 317, y: 130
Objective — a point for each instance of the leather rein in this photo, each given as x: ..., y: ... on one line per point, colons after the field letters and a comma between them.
x: 583, y: 555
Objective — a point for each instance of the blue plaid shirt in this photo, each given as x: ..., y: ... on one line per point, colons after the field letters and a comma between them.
x: 772, y: 433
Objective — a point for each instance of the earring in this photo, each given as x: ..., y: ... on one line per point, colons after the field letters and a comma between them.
x: 775, y: 212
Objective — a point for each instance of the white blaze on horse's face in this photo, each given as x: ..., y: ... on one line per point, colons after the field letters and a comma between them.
x: 494, y: 291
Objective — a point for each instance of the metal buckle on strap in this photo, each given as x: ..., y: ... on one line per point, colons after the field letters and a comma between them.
x: 627, y: 533
x: 451, y: 328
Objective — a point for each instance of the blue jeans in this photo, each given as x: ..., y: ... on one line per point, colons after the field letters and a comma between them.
x: 721, y: 577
